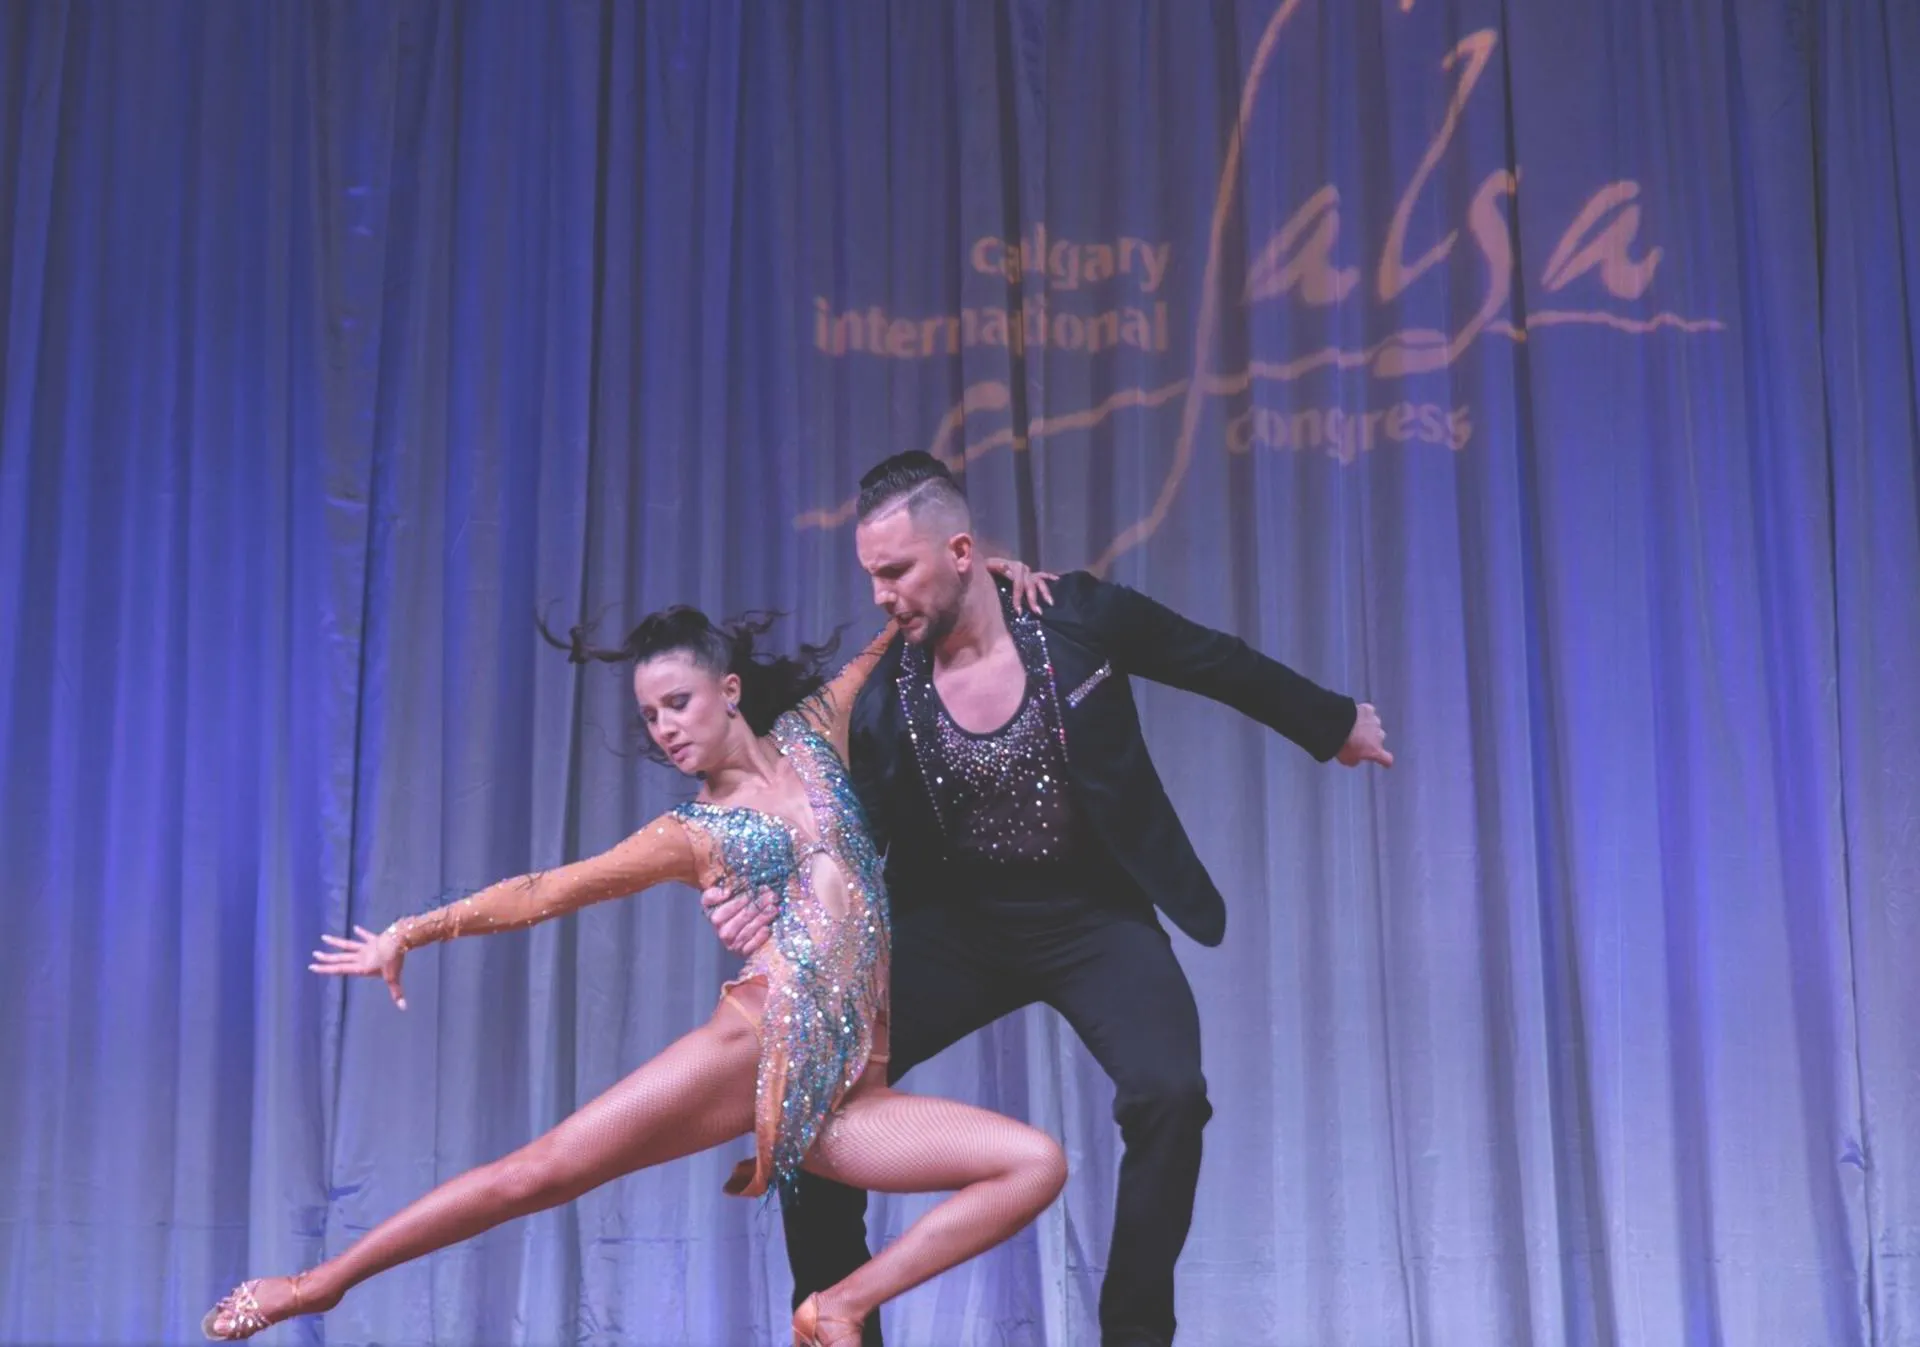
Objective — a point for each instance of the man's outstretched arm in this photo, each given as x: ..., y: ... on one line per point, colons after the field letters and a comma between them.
x: 1153, y: 641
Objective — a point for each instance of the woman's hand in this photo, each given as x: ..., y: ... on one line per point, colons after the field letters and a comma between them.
x: 1029, y: 586
x: 368, y: 956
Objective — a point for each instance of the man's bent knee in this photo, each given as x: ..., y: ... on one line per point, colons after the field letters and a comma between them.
x: 1179, y: 1103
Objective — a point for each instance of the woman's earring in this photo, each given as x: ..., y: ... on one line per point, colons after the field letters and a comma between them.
x: 733, y: 709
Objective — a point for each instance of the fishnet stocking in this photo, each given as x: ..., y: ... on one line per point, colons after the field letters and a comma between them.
x: 693, y: 1096
x: 696, y: 1095
x: 1002, y: 1174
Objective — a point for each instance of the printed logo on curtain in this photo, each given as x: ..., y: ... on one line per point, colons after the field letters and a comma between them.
x: 1117, y: 296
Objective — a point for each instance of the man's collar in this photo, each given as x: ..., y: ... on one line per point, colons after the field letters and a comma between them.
x: 917, y: 660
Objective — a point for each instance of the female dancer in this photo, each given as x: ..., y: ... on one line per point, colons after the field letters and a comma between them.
x: 787, y: 1052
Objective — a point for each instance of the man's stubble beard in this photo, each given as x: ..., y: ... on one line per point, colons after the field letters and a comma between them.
x: 940, y: 624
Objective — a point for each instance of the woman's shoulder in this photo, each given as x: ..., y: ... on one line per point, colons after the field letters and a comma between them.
x: 801, y: 725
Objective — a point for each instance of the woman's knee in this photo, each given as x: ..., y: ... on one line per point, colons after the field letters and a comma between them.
x: 1040, y: 1167
x: 533, y: 1178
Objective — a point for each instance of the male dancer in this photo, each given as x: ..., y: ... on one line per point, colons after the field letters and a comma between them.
x: 1028, y: 839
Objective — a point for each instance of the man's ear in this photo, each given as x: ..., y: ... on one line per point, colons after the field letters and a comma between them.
x: 964, y: 551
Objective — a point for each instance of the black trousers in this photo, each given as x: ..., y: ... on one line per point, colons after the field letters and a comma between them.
x: 1111, y: 974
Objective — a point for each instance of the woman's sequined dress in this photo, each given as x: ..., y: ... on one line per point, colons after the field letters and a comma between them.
x: 825, y: 969
x: 826, y: 964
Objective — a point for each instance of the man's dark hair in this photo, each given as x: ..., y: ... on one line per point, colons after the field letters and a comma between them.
x: 917, y: 480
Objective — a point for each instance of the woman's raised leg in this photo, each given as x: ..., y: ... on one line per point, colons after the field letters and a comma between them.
x: 695, y: 1095
x: 1002, y: 1174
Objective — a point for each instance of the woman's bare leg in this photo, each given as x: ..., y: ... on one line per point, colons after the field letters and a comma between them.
x: 695, y: 1095
x: 1002, y: 1174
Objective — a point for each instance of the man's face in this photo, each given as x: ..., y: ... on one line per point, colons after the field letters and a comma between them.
x: 919, y: 576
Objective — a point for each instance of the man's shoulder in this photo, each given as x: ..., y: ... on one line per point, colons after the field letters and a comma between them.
x: 1079, y: 600
x: 1079, y: 586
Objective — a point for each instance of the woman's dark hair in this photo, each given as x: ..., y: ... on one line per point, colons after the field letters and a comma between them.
x: 770, y: 685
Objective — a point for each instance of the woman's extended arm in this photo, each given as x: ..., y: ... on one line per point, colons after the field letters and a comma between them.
x: 662, y: 852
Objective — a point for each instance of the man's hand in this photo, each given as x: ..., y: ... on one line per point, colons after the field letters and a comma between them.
x: 743, y: 921
x: 1367, y: 742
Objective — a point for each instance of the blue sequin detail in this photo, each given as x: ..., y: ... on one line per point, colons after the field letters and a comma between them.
x: 756, y: 848
x: 830, y: 983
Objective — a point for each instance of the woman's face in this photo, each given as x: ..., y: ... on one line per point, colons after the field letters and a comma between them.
x: 685, y: 709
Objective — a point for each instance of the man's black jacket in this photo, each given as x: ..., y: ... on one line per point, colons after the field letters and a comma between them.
x: 1097, y: 634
